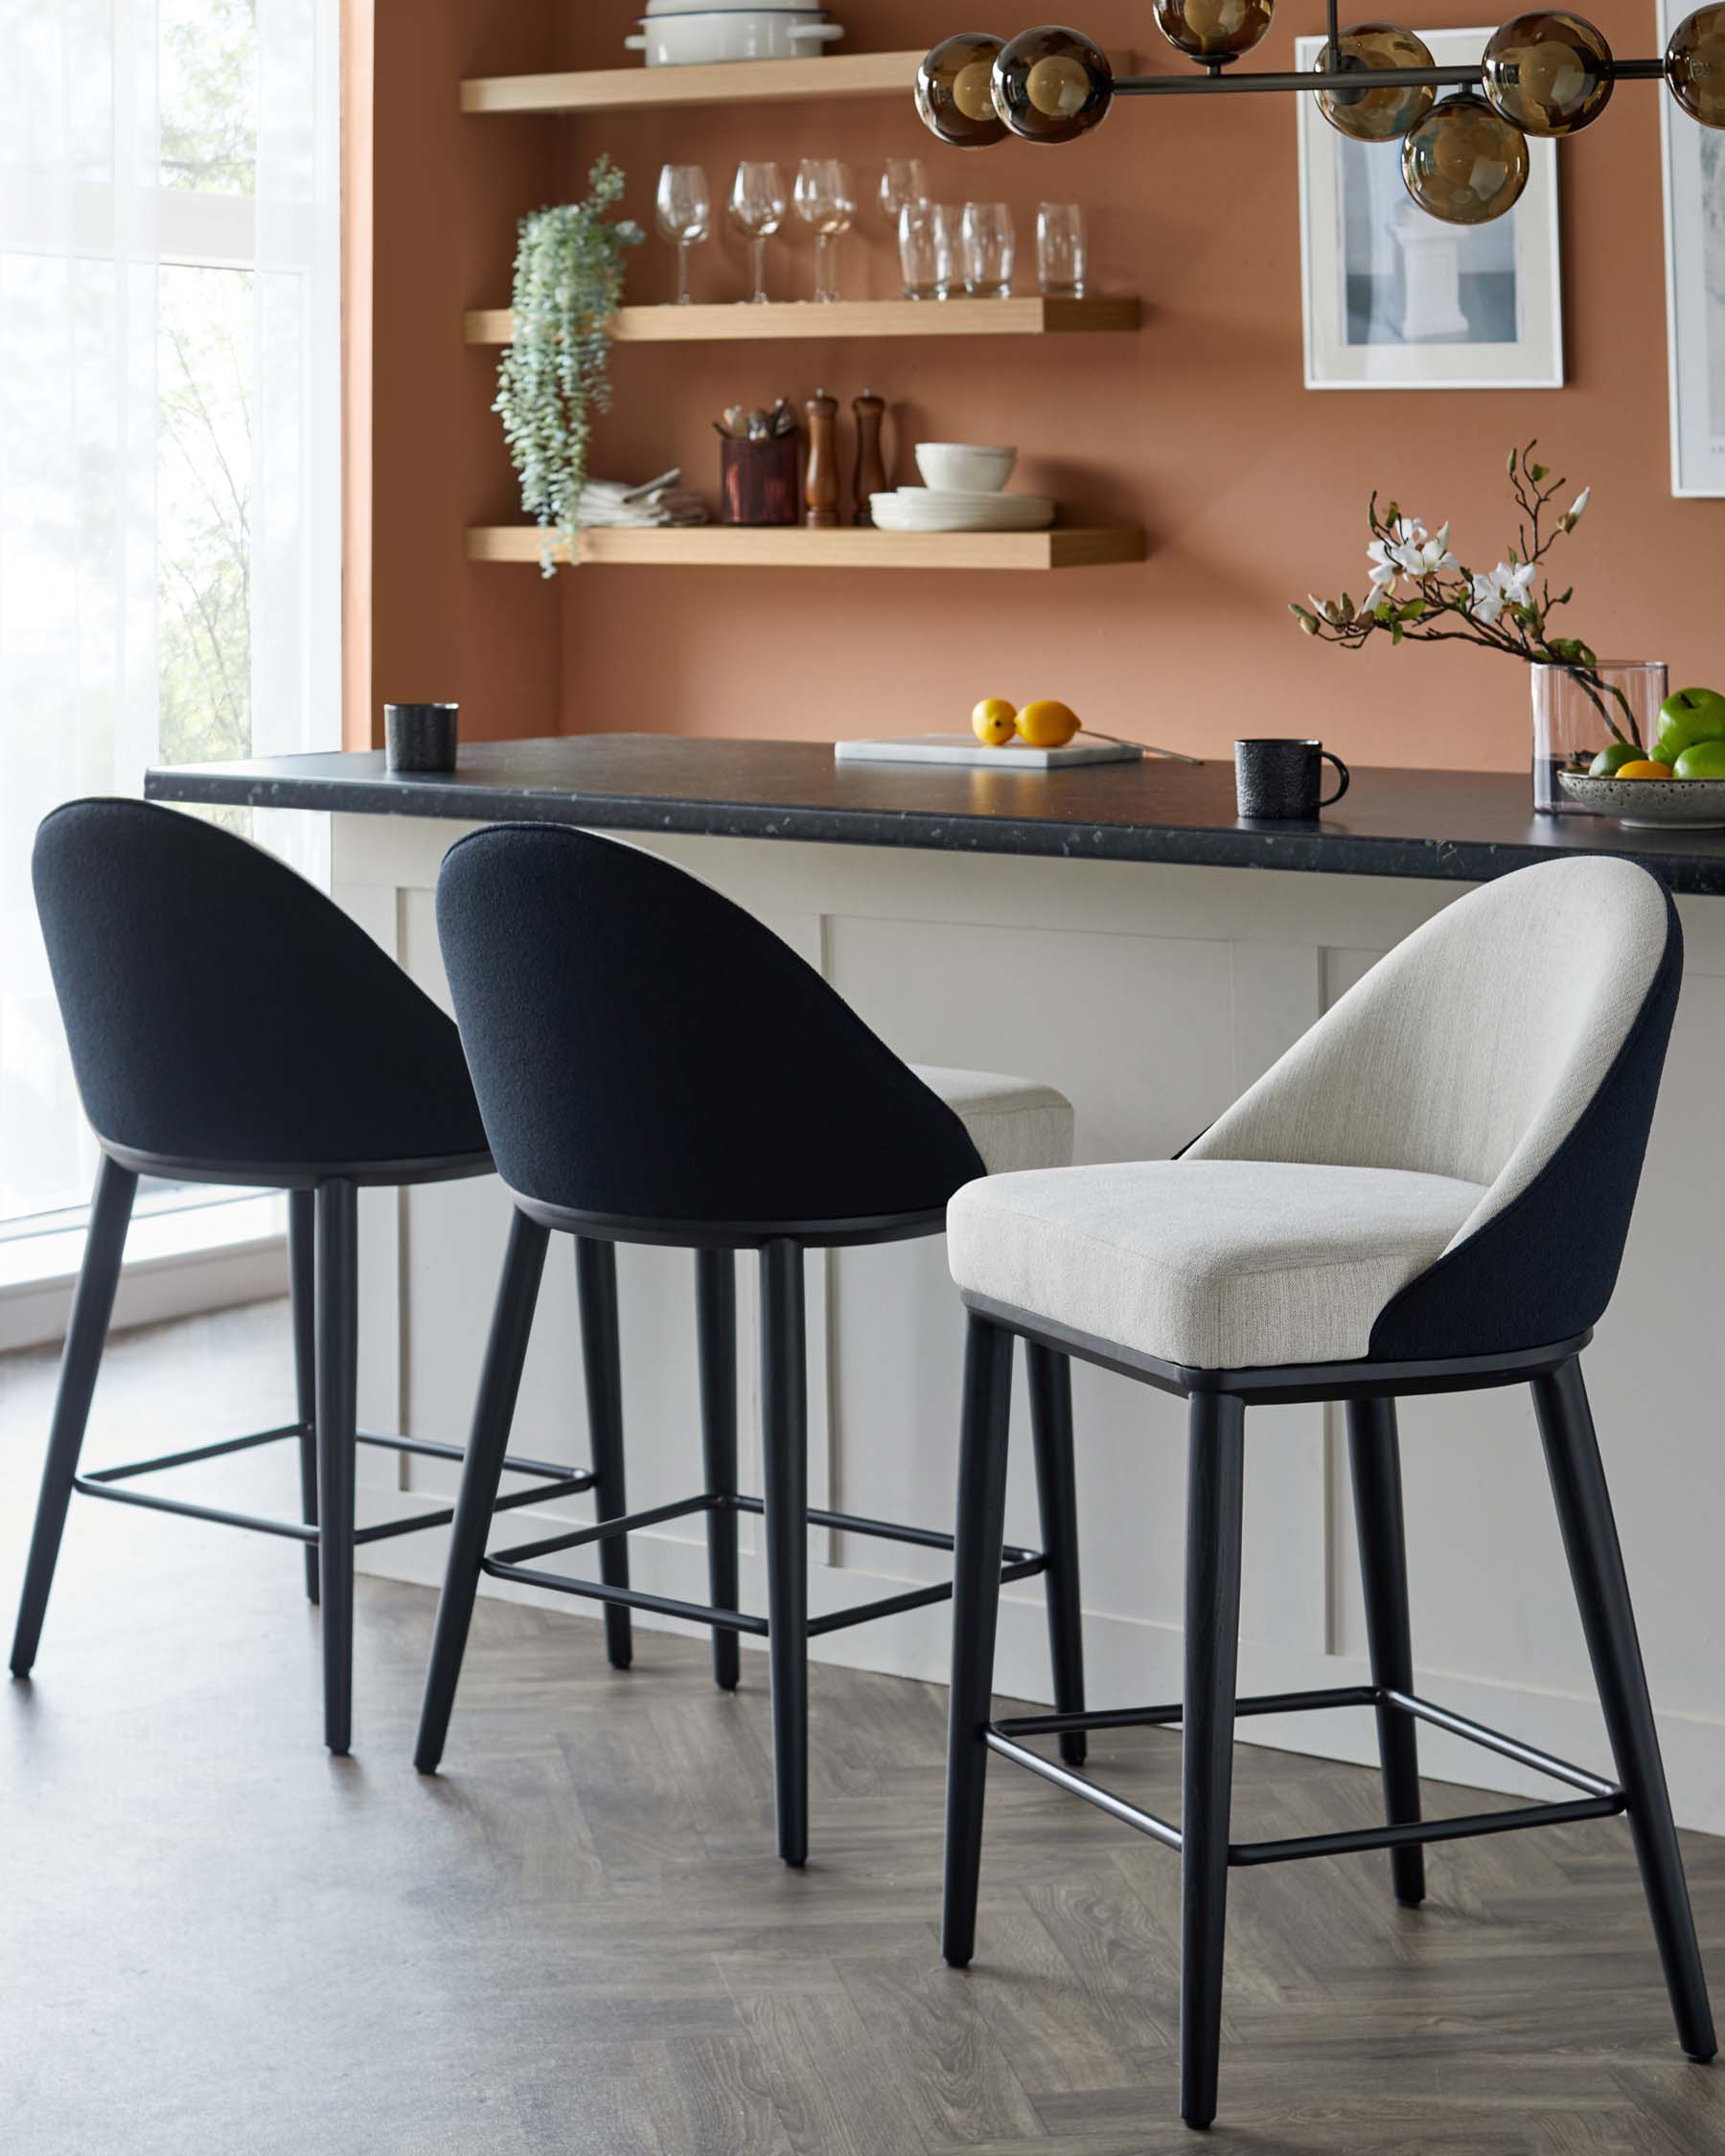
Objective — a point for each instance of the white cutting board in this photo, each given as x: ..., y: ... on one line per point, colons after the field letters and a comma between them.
x: 966, y: 748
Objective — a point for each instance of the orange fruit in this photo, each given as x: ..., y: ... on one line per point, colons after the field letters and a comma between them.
x: 994, y: 721
x: 1047, y: 724
x: 1643, y: 767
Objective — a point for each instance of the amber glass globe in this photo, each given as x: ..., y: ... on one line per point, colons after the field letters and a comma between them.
x: 1052, y: 85
x: 1213, y: 28
x: 955, y: 91
x: 1549, y: 73
x: 1464, y: 163
x: 1695, y: 66
x: 1376, y: 115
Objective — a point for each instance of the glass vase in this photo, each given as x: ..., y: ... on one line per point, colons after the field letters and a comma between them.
x: 1577, y: 711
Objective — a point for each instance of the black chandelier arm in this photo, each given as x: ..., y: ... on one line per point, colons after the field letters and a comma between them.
x: 1220, y: 85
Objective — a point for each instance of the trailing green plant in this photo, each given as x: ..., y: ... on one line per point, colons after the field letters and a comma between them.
x: 568, y: 279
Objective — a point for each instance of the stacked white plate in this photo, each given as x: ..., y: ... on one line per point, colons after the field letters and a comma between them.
x: 930, y: 509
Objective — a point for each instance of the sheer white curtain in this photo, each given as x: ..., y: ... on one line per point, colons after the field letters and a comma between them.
x: 169, y: 444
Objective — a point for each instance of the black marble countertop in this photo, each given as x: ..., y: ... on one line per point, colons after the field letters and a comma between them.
x: 1458, y: 826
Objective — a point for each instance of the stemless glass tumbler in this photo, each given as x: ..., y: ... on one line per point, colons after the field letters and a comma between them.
x: 990, y: 244
x: 928, y: 249
x: 757, y: 210
x: 826, y: 201
x: 685, y: 217
x: 1062, y: 250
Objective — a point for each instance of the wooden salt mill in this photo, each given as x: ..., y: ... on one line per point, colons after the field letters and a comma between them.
x: 871, y: 466
x: 820, y: 484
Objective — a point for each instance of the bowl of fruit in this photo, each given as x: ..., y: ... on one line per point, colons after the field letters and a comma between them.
x: 1677, y: 785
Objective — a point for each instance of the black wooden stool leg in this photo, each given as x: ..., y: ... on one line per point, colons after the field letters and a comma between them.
x: 785, y: 1441
x: 1215, y: 1470
x: 716, y: 1334
x: 979, y: 1528
x: 302, y: 1275
x: 92, y: 1306
x: 494, y: 1412
x: 602, y: 1357
x: 1596, y: 1562
x: 1378, y: 1487
x: 1050, y: 1376
x: 338, y: 1360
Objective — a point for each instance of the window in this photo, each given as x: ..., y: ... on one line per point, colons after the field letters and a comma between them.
x: 169, y: 451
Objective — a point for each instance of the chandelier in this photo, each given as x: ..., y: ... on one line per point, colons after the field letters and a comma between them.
x: 1464, y: 155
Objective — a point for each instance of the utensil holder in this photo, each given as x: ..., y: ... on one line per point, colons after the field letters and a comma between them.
x: 758, y: 482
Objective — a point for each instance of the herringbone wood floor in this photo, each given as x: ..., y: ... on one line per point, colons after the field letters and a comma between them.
x: 576, y: 1942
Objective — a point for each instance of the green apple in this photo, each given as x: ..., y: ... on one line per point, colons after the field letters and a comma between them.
x: 1687, y: 717
x: 1607, y: 762
x: 1702, y: 759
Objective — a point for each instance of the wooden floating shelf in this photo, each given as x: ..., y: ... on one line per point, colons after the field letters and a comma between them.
x: 642, y: 89
x: 645, y: 89
x: 729, y: 546
x: 744, y: 323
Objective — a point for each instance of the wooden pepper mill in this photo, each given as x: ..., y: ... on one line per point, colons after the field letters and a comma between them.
x: 869, y: 411
x: 820, y: 484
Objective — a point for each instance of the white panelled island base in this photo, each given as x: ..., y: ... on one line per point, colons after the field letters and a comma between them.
x: 1151, y: 994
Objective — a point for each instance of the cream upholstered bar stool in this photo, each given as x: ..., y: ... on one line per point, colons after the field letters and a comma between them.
x: 1429, y: 1193
x: 654, y: 1066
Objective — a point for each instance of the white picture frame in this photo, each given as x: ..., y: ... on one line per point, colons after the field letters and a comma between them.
x: 1358, y: 232
x: 1693, y: 158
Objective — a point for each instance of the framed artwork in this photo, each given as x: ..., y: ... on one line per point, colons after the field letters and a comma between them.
x: 1694, y: 228
x: 1395, y: 300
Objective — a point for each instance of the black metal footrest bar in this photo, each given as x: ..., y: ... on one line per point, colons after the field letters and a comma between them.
x: 107, y: 1482
x: 519, y: 1564
x: 1601, y: 1798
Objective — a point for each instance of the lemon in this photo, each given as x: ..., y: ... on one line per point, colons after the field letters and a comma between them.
x: 993, y: 722
x: 1643, y: 767
x: 1047, y: 724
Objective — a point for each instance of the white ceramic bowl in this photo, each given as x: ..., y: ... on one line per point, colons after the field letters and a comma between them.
x: 1646, y: 803
x: 963, y: 468
x: 702, y: 35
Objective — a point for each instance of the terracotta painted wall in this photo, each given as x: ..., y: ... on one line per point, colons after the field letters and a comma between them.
x: 429, y: 204
x: 1252, y: 488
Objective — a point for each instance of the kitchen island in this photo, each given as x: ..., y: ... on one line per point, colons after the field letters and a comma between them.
x: 1118, y: 931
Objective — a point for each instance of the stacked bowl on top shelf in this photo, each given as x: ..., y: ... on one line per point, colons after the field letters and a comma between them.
x: 687, y: 34
x: 964, y: 491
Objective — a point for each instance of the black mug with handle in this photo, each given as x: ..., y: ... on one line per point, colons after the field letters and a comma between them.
x: 1284, y: 778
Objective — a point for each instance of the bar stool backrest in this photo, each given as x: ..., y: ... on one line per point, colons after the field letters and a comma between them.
x: 645, y: 1051
x: 221, y: 1012
x: 1516, y: 1041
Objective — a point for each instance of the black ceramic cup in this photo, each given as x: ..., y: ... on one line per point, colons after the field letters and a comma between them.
x: 420, y: 737
x: 1284, y: 778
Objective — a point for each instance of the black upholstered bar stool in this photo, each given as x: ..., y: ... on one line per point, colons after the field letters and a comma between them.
x: 654, y: 1066
x: 1429, y: 1193
x: 229, y: 1024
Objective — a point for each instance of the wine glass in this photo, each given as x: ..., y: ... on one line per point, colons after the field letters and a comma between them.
x: 757, y: 209
x: 826, y: 201
x: 904, y: 183
x: 685, y: 217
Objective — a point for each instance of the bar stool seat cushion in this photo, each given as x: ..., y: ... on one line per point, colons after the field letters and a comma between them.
x: 1210, y: 1264
x: 1013, y: 1122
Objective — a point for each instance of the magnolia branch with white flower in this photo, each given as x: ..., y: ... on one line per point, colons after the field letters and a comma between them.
x: 1419, y: 589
